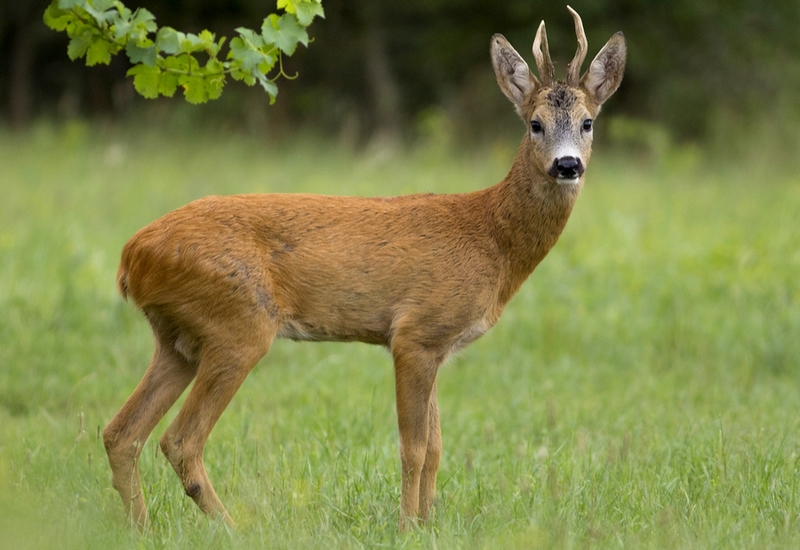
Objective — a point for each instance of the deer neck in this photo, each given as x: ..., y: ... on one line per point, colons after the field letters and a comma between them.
x: 529, y: 212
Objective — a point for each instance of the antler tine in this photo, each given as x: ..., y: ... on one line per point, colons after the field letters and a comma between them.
x: 574, y: 68
x: 541, y: 52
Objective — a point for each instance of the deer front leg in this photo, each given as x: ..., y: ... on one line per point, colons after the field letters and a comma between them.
x: 415, y: 376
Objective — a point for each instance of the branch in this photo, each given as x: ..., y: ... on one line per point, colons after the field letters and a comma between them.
x: 164, y: 58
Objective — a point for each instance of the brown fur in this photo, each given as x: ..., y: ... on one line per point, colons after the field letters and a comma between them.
x: 423, y: 275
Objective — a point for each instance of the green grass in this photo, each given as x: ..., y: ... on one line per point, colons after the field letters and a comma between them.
x: 641, y: 391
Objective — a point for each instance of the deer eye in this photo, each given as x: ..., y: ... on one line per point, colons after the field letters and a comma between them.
x: 536, y: 127
x: 587, y: 125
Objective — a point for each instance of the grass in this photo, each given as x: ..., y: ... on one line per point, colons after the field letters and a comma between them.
x: 639, y: 392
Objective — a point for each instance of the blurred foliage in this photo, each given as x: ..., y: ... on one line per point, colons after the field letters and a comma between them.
x: 702, y: 70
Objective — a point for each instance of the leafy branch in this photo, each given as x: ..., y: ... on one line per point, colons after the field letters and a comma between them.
x: 164, y: 59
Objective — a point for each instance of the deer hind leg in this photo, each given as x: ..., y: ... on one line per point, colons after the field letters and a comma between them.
x: 433, y: 454
x: 415, y: 377
x: 223, y: 367
x: 167, y: 376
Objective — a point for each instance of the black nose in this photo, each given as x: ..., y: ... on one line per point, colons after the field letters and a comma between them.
x: 567, y: 168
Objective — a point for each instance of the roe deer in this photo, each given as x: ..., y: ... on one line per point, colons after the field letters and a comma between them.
x: 423, y: 275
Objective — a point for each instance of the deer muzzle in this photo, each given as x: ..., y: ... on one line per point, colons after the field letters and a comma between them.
x: 567, y: 170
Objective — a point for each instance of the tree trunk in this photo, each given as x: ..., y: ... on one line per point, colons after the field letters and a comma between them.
x: 381, y: 80
x: 21, y: 65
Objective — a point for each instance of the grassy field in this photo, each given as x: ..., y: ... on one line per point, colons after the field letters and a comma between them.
x: 641, y: 391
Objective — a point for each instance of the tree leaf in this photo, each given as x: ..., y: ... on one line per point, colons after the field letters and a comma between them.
x: 270, y: 87
x: 121, y: 29
x: 56, y: 18
x: 69, y: 4
x: 99, y: 52
x: 245, y: 50
x: 194, y: 88
x: 101, y: 16
x: 207, y: 38
x: 79, y: 44
x: 285, y: 32
x: 214, y: 66
x: 176, y: 64
x: 141, y: 55
x: 286, y: 5
x: 145, y: 80
x: 144, y: 18
x: 168, y: 40
x: 167, y: 84
x: 307, y: 11
x: 134, y: 26
x: 102, y: 5
x: 190, y: 43
x: 214, y: 85
x: 251, y: 38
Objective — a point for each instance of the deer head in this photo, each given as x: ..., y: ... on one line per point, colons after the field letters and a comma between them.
x: 560, y: 114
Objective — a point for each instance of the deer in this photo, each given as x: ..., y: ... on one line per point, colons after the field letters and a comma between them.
x: 423, y: 275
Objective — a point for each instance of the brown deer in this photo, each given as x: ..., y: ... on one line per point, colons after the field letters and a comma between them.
x: 423, y: 275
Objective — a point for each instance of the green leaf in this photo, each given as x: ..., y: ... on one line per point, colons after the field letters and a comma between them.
x: 245, y: 51
x: 270, y: 87
x: 253, y: 39
x: 102, y: 17
x: 168, y: 40
x: 190, y: 43
x: 79, y: 44
x: 138, y: 27
x: 194, y: 88
x: 56, y: 18
x: 145, y: 80
x: 214, y: 85
x: 243, y: 76
x: 102, y: 5
x: 152, y: 81
x: 99, y: 52
x: 287, y: 5
x: 124, y: 13
x: 214, y: 66
x: 176, y: 63
x: 144, y: 19
x: 168, y: 81
x: 167, y: 84
x: 141, y: 55
x: 207, y: 38
x: 69, y: 4
x: 209, y: 43
x: 285, y: 32
x: 122, y: 29
x: 307, y: 11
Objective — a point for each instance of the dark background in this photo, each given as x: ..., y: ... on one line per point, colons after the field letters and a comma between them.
x: 698, y: 71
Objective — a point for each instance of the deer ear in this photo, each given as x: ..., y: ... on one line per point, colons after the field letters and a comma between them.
x: 513, y: 74
x: 605, y: 72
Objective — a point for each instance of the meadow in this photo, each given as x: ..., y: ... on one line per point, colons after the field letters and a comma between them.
x: 641, y: 391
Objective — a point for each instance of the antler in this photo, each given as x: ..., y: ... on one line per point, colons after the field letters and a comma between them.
x: 574, y: 68
x: 541, y: 52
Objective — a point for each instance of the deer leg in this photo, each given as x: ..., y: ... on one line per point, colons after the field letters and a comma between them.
x: 165, y: 379
x: 433, y: 454
x: 220, y: 374
x: 415, y: 375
